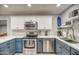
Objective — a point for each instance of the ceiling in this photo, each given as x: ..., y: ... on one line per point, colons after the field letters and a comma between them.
x: 45, y: 9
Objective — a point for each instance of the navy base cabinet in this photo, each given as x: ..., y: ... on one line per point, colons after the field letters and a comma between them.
x: 18, y: 45
x: 39, y: 45
x: 7, y: 48
x: 4, y: 48
x: 62, y: 48
x: 74, y: 51
x: 12, y: 47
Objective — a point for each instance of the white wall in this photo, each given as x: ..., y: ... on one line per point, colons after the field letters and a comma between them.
x: 65, y: 15
x: 51, y: 21
x: 11, y: 32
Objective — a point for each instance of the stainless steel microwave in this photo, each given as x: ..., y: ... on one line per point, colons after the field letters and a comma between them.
x: 30, y: 25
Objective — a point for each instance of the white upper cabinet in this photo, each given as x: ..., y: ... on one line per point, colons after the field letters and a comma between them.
x: 44, y: 22
x: 17, y: 22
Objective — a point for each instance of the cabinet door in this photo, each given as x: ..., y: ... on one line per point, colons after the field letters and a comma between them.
x: 74, y: 51
x: 44, y: 22
x: 58, y: 49
x: 18, y: 45
x: 39, y: 45
x: 17, y: 22
x: 4, y: 51
x: 62, y: 48
x: 12, y: 47
x: 4, y: 48
x: 65, y: 51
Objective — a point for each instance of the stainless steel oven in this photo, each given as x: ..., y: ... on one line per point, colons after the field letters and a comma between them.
x: 29, y: 43
x: 29, y: 46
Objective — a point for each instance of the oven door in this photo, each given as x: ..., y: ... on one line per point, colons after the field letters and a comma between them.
x: 29, y: 43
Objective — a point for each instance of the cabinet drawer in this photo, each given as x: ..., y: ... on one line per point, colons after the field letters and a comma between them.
x: 4, y: 44
x: 12, y: 43
x: 65, y: 51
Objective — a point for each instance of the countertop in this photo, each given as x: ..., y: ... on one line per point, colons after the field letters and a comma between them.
x: 46, y: 36
x: 7, y: 38
x: 73, y: 45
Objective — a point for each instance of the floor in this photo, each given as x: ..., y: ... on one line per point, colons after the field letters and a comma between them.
x: 37, y: 54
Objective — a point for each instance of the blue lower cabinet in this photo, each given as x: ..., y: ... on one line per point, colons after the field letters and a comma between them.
x: 65, y: 51
x: 39, y: 45
x: 7, y: 48
x: 12, y: 47
x: 58, y: 49
x: 74, y: 51
x: 62, y: 48
x: 18, y: 45
x: 4, y: 48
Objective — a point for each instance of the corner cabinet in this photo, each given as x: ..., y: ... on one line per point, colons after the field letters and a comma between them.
x: 18, y: 45
x: 61, y: 48
x: 4, y: 48
x: 17, y: 22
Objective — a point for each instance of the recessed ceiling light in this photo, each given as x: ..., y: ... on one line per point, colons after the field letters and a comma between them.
x: 6, y: 6
x: 58, y: 5
x: 29, y: 5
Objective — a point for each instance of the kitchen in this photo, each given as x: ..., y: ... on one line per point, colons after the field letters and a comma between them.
x: 33, y: 29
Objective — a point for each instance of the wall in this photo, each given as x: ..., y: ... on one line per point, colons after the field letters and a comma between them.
x: 11, y: 32
x: 52, y: 22
x: 65, y: 16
